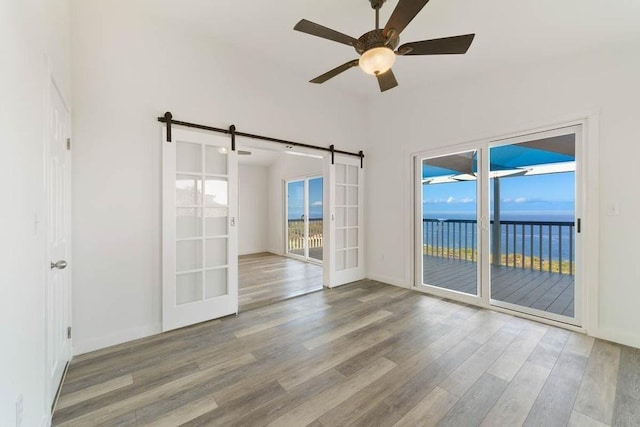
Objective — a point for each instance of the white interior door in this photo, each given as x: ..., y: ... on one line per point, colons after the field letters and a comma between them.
x: 58, y: 171
x: 346, y: 225
x: 200, y: 240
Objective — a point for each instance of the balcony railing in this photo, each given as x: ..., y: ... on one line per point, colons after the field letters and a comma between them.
x: 534, y: 245
x: 295, y: 237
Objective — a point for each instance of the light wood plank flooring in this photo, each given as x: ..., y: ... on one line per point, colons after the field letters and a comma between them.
x: 264, y: 278
x: 365, y: 354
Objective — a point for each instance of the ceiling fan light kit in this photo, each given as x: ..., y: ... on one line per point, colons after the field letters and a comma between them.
x: 377, y: 47
x: 377, y: 60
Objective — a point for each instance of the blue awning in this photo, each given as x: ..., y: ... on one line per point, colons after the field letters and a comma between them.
x: 524, y: 155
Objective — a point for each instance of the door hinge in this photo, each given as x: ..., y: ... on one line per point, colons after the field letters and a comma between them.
x: 68, y: 144
x: 69, y: 332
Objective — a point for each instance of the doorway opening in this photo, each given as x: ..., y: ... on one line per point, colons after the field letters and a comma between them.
x: 498, y: 224
x: 281, y: 193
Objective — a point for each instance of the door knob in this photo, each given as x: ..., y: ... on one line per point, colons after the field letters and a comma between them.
x: 60, y: 265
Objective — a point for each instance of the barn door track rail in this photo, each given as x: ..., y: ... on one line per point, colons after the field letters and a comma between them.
x: 169, y: 121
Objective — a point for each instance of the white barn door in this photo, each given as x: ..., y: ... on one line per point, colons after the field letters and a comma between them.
x: 346, y: 226
x: 199, y: 238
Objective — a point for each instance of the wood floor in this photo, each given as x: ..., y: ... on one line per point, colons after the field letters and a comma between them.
x: 542, y: 290
x: 265, y: 278
x: 365, y: 354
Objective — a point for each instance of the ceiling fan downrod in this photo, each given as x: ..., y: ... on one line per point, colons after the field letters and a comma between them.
x: 376, y: 5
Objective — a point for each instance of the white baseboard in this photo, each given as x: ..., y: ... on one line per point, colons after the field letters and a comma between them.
x: 115, y: 338
x: 253, y: 251
x: 388, y: 280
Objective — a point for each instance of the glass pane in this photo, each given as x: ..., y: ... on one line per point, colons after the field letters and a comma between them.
x: 215, y: 221
x: 215, y: 161
x: 188, y: 157
x: 449, y: 222
x: 216, y: 252
x: 188, y: 190
x: 341, y: 174
x: 352, y: 258
x: 315, y: 218
x: 353, y: 217
x: 188, y: 255
x: 340, y: 239
x: 352, y: 172
x: 341, y: 217
x: 295, y: 217
x: 188, y: 288
x: 341, y: 195
x: 341, y: 260
x: 216, y: 192
x: 215, y: 284
x: 533, y: 224
x: 353, y: 196
x: 353, y: 237
x: 188, y: 222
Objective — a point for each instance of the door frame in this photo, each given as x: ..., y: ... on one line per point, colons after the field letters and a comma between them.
x: 589, y: 251
x: 305, y: 179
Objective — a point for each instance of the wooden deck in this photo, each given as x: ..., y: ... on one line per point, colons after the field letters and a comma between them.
x: 265, y: 278
x: 315, y: 253
x: 550, y: 292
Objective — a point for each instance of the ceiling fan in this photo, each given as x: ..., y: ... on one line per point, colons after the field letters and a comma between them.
x: 377, y: 47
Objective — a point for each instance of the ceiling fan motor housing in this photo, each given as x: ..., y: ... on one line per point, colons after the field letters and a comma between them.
x: 375, y: 38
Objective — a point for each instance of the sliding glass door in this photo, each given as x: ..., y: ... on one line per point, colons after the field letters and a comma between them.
x: 448, y: 222
x: 532, y: 201
x: 304, y: 219
x: 499, y: 225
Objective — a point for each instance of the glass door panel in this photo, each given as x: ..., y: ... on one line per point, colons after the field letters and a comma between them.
x: 295, y: 218
x: 449, y: 222
x: 532, y: 233
x: 315, y: 220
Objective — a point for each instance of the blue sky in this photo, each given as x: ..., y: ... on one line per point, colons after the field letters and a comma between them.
x: 536, y: 194
x: 296, y: 199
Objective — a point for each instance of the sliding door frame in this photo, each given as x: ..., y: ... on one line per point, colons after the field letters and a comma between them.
x: 305, y: 180
x: 587, y: 251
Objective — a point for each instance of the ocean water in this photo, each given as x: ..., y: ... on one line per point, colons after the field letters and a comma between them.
x: 555, y: 242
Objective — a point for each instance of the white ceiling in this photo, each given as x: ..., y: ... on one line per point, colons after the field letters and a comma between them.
x: 508, y: 32
x: 259, y: 157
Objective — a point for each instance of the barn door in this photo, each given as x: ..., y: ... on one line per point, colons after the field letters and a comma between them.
x: 345, y: 222
x: 200, y: 241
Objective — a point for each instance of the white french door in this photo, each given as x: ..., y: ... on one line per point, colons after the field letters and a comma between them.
x: 200, y: 242
x: 58, y: 283
x: 346, y: 225
x: 498, y: 224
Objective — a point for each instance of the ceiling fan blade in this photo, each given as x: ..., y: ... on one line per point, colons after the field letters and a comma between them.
x: 331, y: 74
x: 318, y: 30
x: 444, y: 46
x: 404, y: 13
x: 387, y: 81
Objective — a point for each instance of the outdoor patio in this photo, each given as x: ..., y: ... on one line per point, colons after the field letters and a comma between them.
x: 550, y: 292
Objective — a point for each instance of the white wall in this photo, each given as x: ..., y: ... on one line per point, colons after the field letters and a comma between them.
x: 128, y: 69
x: 32, y: 40
x: 508, y: 100
x: 253, y: 201
x: 286, y: 167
